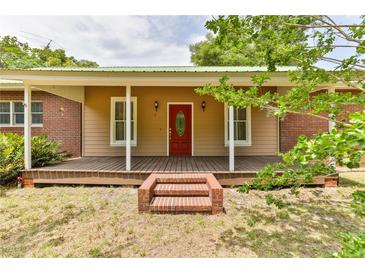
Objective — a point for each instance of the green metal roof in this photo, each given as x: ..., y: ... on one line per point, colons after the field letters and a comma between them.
x: 163, y: 69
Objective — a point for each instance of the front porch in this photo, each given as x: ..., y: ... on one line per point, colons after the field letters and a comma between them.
x: 112, y: 170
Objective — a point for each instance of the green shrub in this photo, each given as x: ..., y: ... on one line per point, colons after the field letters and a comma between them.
x: 353, y: 246
x: 44, y: 152
x: 358, y: 202
x: 277, y: 201
x: 244, y: 188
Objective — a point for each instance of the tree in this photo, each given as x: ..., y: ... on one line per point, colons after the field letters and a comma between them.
x: 322, y: 36
x: 237, y: 48
x: 15, y: 54
x: 209, y: 53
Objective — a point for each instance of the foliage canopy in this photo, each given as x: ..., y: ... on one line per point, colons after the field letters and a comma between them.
x: 232, y: 41
x: 15, y: 54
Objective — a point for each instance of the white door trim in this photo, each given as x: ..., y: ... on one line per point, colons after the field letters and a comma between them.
x: 168, y: 125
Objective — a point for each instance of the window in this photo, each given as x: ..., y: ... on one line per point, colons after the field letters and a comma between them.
x: 18, y: 113
x: 118, y: 121
x: 12, y: 114
x: 242, y: 126
x: 180, y: 123
x: 5, y: 113
x: 37, y: 112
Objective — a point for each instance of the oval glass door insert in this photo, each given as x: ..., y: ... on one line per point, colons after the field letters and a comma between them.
x: 180, y: 123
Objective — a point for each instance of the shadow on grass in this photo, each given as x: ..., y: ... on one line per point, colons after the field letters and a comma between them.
x: 312, y: 231
x: 18, y: 242
x: 347, y: 182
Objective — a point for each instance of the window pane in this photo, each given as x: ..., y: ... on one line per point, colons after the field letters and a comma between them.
x: 238, y: 113
x: 132, y: 130
x: 180, y: 123
x: 37, y: 107
x: 239, y: 123
x: 119, y: 131
x: 236, y: 131
x: 18, y: 107
x: 241, y: 131
x: 37, y: 118
x: 19, y: 118
x: 119, y: 110
x: 4, y: 118
x: 132, y: 110
x: 5, y: 107
x: 241, y: 114
x: 228, y: 131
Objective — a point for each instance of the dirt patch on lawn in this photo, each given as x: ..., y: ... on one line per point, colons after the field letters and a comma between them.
x: 103, y: 222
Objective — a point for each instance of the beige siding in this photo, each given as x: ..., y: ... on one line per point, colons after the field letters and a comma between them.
x: 152, y: 126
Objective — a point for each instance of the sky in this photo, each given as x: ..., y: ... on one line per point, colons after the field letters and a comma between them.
x: 112, y: 40
x: 123, y: 40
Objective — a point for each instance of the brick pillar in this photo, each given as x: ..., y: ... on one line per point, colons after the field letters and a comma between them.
x: 28, y: 182
x: 145, y: 193
x: 215, y: 194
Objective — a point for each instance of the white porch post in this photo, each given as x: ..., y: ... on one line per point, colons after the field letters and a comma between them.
x: 27, y: 127
x: 332, y: 119
x: 332, y: 125
x: 231, y: 138
x: 128, y: 128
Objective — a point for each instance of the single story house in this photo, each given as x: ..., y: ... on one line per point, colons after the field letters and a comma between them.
x: 140, y: 118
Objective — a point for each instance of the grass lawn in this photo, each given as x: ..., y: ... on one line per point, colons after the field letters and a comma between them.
x: 103, y: 222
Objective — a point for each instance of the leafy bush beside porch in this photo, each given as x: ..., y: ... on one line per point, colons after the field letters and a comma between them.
x: 44, y: 152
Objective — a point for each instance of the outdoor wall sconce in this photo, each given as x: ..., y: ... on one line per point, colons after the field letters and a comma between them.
x: 156, y: 104
x: 62, y: 110
x: 204, y: 104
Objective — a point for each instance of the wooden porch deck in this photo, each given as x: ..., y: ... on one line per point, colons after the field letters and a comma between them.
x: 160, y: 164
x: 114, y: 168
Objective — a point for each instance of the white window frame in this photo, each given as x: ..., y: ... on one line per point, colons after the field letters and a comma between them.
x: 12, y: 122
x: 37, y: 112
x: 10, y: 114
x: 113, y: 142
x: 238, y: 143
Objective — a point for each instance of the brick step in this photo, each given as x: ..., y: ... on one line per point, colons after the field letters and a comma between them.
x: 181, y: 190
x: 180, y: 204
x: 185, y: 181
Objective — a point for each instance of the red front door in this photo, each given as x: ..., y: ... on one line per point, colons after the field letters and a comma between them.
x: 180, y: 129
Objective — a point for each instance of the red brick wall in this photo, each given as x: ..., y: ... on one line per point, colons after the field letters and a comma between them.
x: 63, y: 126
x: 349, y: 108
x: 293, y: 125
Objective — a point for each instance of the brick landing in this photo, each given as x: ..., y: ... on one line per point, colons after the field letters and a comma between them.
x: 180, y: 193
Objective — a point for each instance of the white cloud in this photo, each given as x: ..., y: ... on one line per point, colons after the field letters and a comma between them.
x: 112, y: 40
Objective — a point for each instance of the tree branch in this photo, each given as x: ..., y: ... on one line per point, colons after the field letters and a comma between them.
x: 272, y: 108
x: 338, y: 28
x: 341, y: 46
x: 338, y: 62
x: 340, y: 79
x: 322, y: 26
